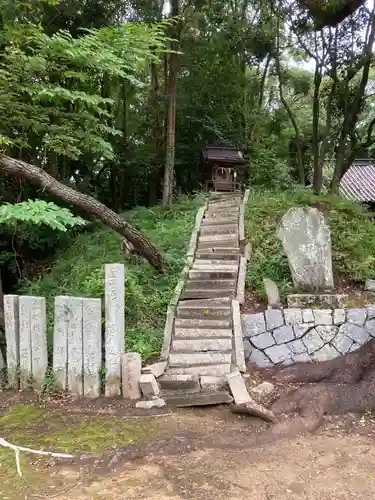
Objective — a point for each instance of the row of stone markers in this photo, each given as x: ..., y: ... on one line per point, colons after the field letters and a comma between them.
x: 77, y: 340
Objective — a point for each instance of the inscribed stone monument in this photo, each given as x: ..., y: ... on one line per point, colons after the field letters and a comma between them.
x: 306, y: 240
x: 12, y: 336
x: 60, y: 341
x: 114, y: 326
x: 92, y: 346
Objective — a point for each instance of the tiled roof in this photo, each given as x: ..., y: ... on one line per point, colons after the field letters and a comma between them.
x: 358, y: 182
x: 222, y: 153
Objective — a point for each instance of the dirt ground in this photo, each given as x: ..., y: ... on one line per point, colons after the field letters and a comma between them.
x: 208, y: 453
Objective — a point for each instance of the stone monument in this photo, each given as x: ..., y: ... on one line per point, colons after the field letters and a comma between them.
x: 306, y: 240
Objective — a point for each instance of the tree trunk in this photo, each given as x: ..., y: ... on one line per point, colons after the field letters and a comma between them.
x: 318, y: 166
x: 300, y: 163
x: 353, y: 111
x: 171, y: 112
x: 40, y: 178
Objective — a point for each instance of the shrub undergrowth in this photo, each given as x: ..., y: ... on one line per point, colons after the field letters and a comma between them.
x: 352, y: 231
x: 79, y: 271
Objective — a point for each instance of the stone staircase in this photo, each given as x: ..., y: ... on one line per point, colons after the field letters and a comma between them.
x: 202, y: 345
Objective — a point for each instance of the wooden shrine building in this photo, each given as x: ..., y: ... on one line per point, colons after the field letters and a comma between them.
x: 223, y: 167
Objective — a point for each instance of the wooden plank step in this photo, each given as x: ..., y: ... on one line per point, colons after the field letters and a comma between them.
x: 198, y: 399
x: 202, y: 345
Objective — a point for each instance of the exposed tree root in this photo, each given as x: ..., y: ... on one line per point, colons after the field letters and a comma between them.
x: 345, y: 384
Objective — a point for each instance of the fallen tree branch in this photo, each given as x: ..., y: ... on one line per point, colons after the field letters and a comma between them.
x: 90, y: 205
x: 255, y: 409
x: 17, y: 449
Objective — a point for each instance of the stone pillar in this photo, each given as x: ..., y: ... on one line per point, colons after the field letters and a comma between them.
x: 39, y: 355
x: 75, y: 346
x: 33, y: 341
x: 131, y: 374
x: 114, y: 326
x: 12, y: 337
x: 60, y: 341
x: 25, y: 341
x: 92, y: 346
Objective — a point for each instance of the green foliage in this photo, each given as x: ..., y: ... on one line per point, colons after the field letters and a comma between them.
x: 352, y: 227
x: 79, y: 271
x: 50, y: 86
x: 266, y: 169
x: 39, y: 212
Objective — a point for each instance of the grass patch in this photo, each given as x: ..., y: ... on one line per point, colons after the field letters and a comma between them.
x: 79, y: 271
x: 352, y: 231
x: 56, y: 430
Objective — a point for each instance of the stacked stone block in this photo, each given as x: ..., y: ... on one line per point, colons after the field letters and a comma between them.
x: 291, y: 335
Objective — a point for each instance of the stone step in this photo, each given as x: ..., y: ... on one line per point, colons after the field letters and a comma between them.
x: 208, y: 293
x: 226, y: 208
x: 215, y: 262
x: 202, y: 345
x: 186, y: 383
x: 204, y: 312
x: 214, y: 238
x: 184, y: 360
x: 216, y: 268
x: 231, y: 245
x: 213, y: 384
x: 203, y: 274
x: 223, y: 213
x: 217, y: 255
x: 218, y: 240
x: 224, y: 194
x: 202, y: 323
x: 225, y: 202
x: 205, y: 302
x: 219, y: 370
x: 222, y: 229
x: 198, y: 333
x: 198, y: 399
x: 231, y: 250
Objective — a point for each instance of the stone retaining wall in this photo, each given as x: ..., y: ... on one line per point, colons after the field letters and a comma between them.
x: 291, y: 335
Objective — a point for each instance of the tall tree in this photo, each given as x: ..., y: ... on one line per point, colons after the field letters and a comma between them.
x: 172, y: 68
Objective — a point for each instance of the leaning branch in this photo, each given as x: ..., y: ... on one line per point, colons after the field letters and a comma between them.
x: 87, y: 203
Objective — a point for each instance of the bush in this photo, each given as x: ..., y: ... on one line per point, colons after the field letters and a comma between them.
x: 266, y: 169
x: 352, y: 228
x: 79, y: 271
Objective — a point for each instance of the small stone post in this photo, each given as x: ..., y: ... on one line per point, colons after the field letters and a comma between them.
x: 75, y: 346
x: 12, y: 337
x: 33, y: 341
x: 131, y: 374
x: 60, y: 341
x: 39, y: 355
x: 92, y: 346
x: 114, y: 326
